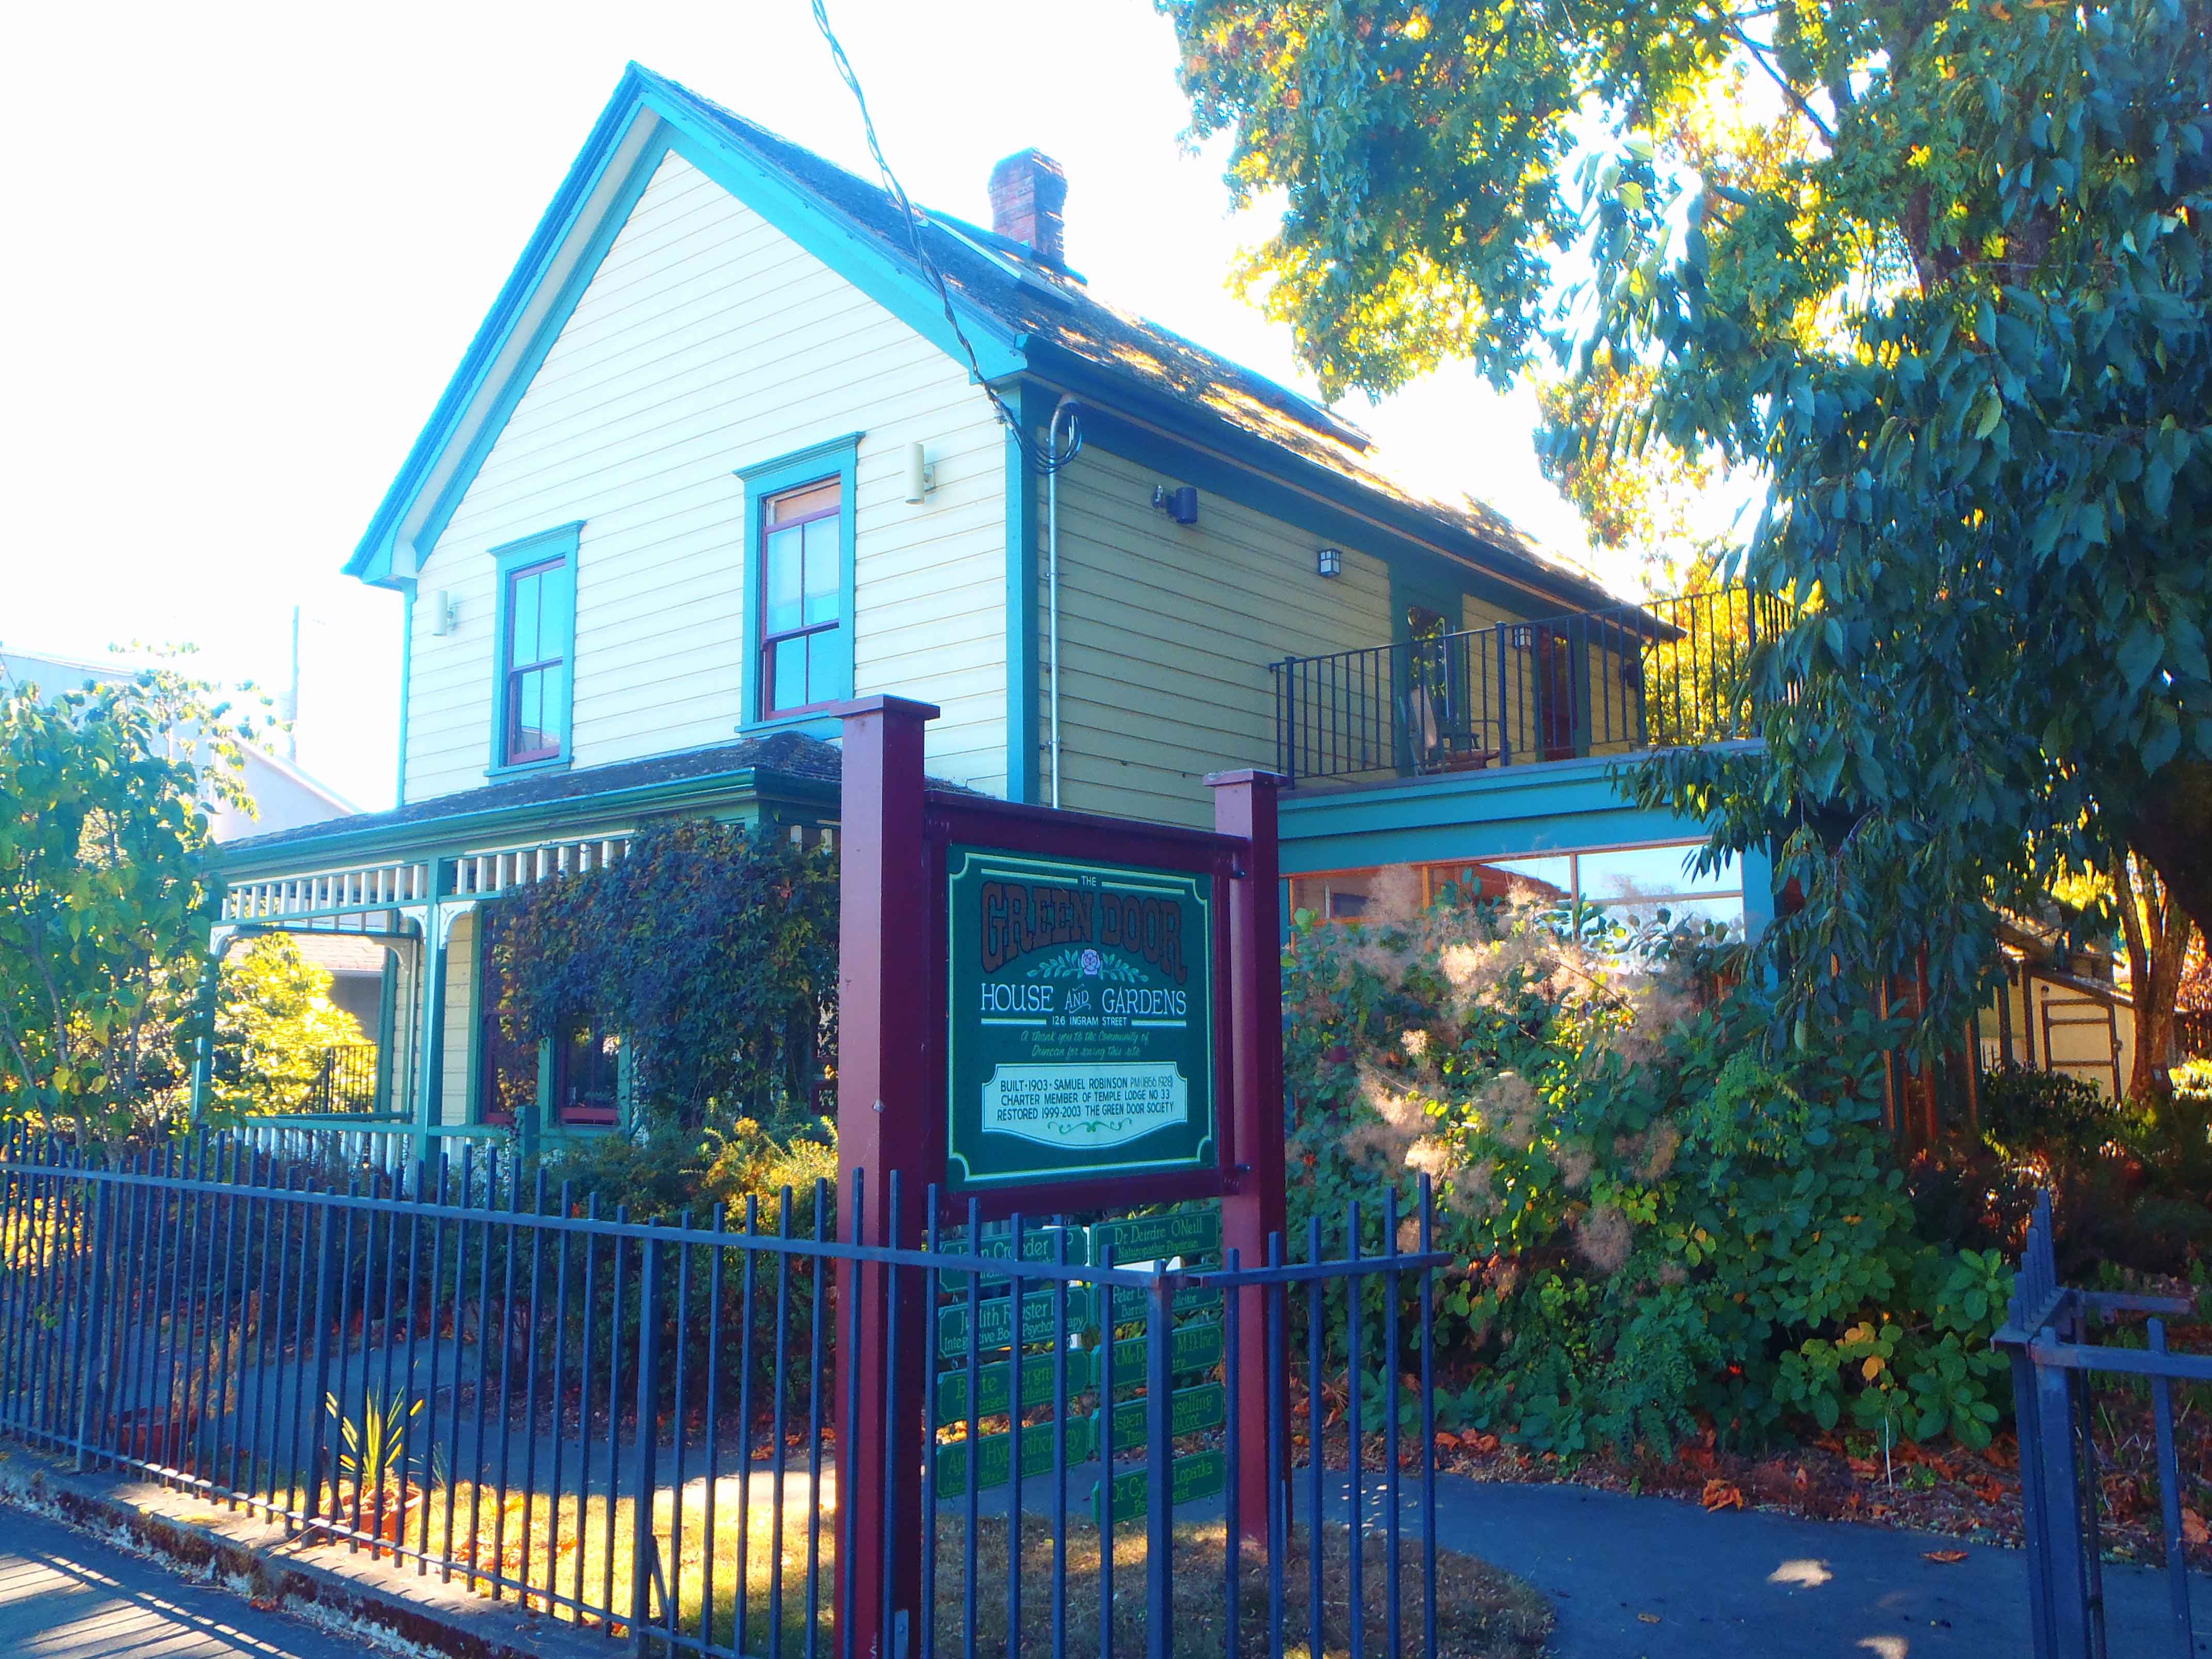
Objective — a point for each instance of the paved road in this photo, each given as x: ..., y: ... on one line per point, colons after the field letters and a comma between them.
x: 64, y: 1595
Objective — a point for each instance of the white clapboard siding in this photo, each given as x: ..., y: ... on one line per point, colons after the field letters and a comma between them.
x: 708, y: 340
x: 1167, y: 631
x: 460, y: 1029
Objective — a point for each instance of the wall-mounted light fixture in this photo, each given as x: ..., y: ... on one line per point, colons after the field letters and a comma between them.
x: 921, y: 474
x: 1179, y: 504
x: 1329, y: 561
x: 445, y: 613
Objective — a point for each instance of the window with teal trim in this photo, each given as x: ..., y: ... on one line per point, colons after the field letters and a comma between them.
x: 803, y: 653
x: 535, y: 642
x: 798, y: 583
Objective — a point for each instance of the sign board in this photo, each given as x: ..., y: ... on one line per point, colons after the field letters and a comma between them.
x: 1081, y: 1039
x: 1040, y: 1446
x: 994, y: 1384
x: 1190, y: 1411
x: 1202, y: 1474
x: 994, y: 1319
x: 1187, y: 1231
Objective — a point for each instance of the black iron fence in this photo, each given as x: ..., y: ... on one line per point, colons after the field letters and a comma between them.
x: 1657, y: 675
x: 2047, y: 1333
x: 633, y: 1427
x: 343, y: 1078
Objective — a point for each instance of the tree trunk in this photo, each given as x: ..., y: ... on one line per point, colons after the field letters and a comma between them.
x: 2171, y: 829
x: 2158, y: 935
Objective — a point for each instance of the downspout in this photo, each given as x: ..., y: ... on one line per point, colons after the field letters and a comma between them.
x: 1065, y: 407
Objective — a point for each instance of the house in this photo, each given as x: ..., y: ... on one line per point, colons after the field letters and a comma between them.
x: 724, y: 453
x: 284, y: 797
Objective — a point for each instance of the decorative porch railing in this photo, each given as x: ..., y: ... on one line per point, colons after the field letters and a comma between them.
x: 1658, y: 675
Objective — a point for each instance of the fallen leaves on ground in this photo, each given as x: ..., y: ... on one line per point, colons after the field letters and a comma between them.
x: 1720, y: 1495
x: 1946, y: 1558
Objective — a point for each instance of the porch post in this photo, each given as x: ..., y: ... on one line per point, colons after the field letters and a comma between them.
x: 1253, y: 1208
x: 429, y: 1046
x: 886, y: 1102
x: 219, y: 940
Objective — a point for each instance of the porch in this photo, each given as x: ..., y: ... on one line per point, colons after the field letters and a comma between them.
x: 405, y: 906
x: 1605, y: 683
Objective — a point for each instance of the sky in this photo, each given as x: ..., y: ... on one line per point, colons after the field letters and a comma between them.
x: 252, y: 243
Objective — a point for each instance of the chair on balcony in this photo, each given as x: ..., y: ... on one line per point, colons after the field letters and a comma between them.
x: 1440, y: 742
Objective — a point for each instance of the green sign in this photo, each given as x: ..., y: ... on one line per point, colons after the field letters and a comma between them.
x: 1190, y: 1412
x: 1132, y: 1303
x: 1038, y: 1244
x: 1202, y: 1474
x: 1081, y: 1035
x: 994, y: 1384
x: 995, y: 1320
x: 1040, y: 1444
x: 1192, y: 1348
x: 1185, y: 1232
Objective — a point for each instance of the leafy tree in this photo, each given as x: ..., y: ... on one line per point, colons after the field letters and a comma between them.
x: 1946, y: 288
x: 712, y: 950
x: 106, y: 897
x: 274, y: 1023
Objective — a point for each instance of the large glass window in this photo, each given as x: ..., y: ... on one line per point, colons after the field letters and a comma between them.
x: 802, y: 657
x: 1627, y: 884
x: 540, y: 622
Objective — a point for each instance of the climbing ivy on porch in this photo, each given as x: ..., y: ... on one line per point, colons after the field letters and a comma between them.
x: 712, y: 948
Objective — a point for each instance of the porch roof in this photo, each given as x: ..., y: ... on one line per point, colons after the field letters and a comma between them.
x: 789, y: 767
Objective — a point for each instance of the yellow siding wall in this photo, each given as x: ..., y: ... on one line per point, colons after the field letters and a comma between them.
x: 708, y: 340
x: 1166, y: 633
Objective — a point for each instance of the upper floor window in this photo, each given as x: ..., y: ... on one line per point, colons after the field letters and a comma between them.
x: 799, y: 553
x: 536, y: 640
x: 802, y: 598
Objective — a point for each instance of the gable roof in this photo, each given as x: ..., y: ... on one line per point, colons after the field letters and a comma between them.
x: 1021, y: 314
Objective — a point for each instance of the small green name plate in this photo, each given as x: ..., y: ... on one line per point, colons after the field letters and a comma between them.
x: 1202, y: 1474
x: 1190, y: 1412
x: 1192, y: 1348
x: 1132, y: 1303
x: 994, y: 1321
x: 1186, y: 1232
x: 994, y: 1384
x: 1039, y: 1444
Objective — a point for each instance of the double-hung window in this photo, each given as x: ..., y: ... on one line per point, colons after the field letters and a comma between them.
x: 802, y: 598
x: 799, y: 582
x: 536, y: 644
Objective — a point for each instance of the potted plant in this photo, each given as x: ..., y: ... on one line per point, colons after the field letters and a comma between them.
x: 375, y: 1490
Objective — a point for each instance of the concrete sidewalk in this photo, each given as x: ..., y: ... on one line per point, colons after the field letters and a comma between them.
x: 65, y: 1596
x: 1654, y: 1578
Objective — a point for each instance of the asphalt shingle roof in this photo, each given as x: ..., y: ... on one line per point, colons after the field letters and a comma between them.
x: 1030, y: 296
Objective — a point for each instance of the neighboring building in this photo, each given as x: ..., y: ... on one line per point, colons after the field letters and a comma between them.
x: 717, y: 461
x: 286, y: 797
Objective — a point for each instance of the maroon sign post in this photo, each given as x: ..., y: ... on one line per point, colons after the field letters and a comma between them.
x: 887, y: 1111
x: 1253, y: 1201
x: 897, y: 1058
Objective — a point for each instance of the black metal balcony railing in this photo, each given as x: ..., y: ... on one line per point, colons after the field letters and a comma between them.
x: 1657, y: 675
x: 342, y: 1079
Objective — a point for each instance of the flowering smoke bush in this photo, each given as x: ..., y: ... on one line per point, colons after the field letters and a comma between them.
x: 1664, y: 1219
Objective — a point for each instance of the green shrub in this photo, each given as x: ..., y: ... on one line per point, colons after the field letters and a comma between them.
x: 1669, y: 1218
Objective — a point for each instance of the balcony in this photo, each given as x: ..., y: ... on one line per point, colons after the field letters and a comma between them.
x: 1658, y: 675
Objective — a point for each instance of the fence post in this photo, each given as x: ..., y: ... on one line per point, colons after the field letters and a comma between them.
x: 644, y: 1549
x: 1159, y: 1461
x: 2066, y: 1595
x: 90, y: 1375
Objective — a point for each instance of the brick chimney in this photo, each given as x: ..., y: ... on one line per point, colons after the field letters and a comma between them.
x: 1028, y: 191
